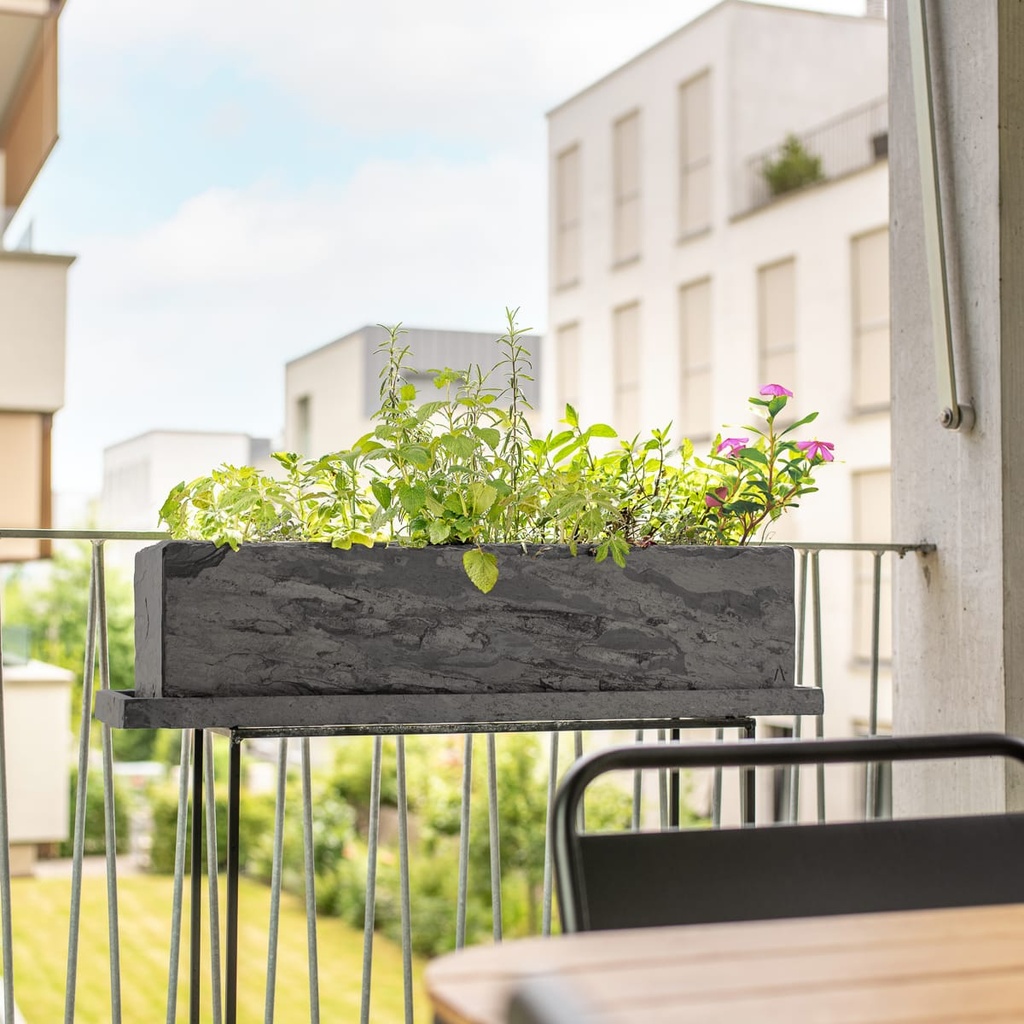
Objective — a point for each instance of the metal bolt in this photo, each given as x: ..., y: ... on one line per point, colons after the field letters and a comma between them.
x: 948, y: 419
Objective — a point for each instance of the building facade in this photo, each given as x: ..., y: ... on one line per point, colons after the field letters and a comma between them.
x: 718, y: 221
x: 331, y: 392
x: 33, y: 286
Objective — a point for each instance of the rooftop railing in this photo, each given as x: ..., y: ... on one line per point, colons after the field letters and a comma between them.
x: 850, y: 142
x: 296, y: 829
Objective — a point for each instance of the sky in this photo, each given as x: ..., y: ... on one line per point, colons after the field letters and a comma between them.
x: 242, y: 182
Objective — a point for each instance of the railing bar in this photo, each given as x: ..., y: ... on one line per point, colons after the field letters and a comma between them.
x: 179, y: 877
x: 371, y: 879
x: 109, y: 808
x: 870, y: 797
x: 275, y: 881
x: 196, y: 880
x: 309, y: 865
x: 548, y: 857
x: 662, y: 789
x: 6, y: 921
x: 801, y: 647
x: 92, y: 535
x: 716, y: 788
x: 231, y: 939
x: 462, y: 897
x: 577, y: 741
x: 637, y: 788
x: 78, y: 847
x: 819, y: 723
x: 495, y: 839
x: 403, y: 876
x: 212, y: 878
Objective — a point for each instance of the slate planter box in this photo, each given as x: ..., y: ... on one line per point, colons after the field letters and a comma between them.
x: 303, y: 619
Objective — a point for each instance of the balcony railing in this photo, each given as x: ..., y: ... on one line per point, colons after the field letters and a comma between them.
x: 856, y: 139
x: 294, y: 820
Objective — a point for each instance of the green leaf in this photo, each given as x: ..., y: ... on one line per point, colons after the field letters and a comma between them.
x: 752, y: 455
x: 602, y: 430
x: 602, y: 552
x: 438, y: 531
x: 809, y: 418
x: 356, y: 537
x: 412, y: 497
x: 382, y: 493
x: 619, y: 551
x: 460, y: 445
x: 407, y: 392
x: 481, y: 496
x: 571, y: 416
x: 482, y: 568
x: 416, y: 454
x: 489, y: 435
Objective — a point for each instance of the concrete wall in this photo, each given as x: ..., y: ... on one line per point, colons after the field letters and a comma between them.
x: 959, y: 612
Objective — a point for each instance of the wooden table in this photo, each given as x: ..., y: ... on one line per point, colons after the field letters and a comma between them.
x: 927, y: 965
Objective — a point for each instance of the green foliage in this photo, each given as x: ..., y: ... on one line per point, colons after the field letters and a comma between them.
x: 95, y: 827
x: 256, y: 820
x: 465, y: 469
x: 793, y: 168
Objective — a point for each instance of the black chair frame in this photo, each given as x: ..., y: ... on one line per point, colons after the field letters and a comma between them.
x: 635, y: 879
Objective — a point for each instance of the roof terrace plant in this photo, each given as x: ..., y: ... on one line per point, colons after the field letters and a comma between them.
x: 461, y: 466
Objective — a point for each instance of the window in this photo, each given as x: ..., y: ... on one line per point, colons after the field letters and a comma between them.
x: 871, y: 522
x: 626, y: 362
x: 626, y: 148
x: 870, y: 265
x: 567, y: 217
x: 695, y: 358
x: 568, y: 360
x: 776, y: 300
x: 695, y: 155
x: 303, y: 424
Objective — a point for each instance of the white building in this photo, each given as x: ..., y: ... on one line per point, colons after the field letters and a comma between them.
x: 139, y: 473
x: 331, y: 392
x: 33, y: 286
x: 679, y: 284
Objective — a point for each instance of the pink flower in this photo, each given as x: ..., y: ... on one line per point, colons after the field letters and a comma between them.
x: 715, y: 500
x: 731, y: 445
x: 777, y: 390
x: 814, y: 449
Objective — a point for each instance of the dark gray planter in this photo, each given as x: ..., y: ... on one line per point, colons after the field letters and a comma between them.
x: 287, y: 620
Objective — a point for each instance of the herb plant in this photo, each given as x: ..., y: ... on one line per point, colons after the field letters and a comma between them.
x: 463, y: 467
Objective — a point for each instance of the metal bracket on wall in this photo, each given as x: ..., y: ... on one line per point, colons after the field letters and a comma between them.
x: 953, y: 414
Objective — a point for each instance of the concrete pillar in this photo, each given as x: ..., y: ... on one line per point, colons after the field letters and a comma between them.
x: 959, y: 613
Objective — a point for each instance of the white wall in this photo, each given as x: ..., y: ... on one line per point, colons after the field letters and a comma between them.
x: 33, y: 301
x: 332, y: 377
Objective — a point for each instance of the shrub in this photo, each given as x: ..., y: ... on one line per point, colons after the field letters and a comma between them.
x: 793, y: 168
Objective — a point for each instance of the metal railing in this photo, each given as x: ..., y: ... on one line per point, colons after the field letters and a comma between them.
x: 196, y: 766
x: 850, y: 142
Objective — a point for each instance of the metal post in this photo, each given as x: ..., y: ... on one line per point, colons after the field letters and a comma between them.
x: 196, y: 891
x: 492, y: 821
x: 310, y: 869
x: 212, y: 879
x: 464, y: 821
x: 548, y: 854
x: 403, y: 875
x: 231, y: 938
x: 5, y: 862
x: 819, y: 722
x: 277, y: 864
x: 371, y: 880
x: 870, y: 796
x: 179, y: 880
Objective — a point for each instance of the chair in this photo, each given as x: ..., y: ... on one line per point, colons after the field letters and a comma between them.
x: 638, y: 879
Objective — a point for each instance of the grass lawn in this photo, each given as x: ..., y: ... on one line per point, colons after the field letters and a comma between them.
x: 41, y: 908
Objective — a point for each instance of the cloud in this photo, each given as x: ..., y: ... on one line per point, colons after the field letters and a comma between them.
x: 188, y: 323
x: 455, y: 69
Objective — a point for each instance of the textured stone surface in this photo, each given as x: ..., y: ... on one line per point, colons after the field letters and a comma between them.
x: 415, y: 712
x: 290, y: 619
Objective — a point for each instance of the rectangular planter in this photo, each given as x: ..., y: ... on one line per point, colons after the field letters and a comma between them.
x: 299, y: 619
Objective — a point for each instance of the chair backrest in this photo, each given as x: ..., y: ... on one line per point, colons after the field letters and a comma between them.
x: 636, y: 879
